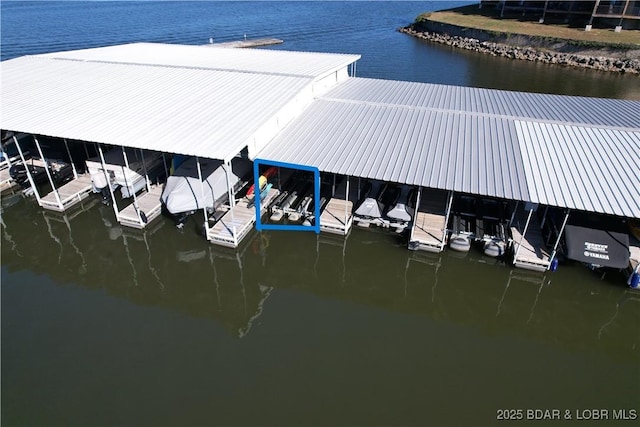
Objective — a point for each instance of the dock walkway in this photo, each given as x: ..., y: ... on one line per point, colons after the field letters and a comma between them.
x: 239, y: 221
x: 429, y: 231
x: 150, y: 207
x: 7, y: 184
x: 248, y: 43
x: 529, y: 251
x: 71, y: 193
x: 336, y: 217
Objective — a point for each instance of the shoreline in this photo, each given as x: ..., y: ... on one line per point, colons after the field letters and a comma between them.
x: 523, y: 47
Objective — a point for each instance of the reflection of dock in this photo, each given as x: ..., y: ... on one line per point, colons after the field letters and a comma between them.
x: 238, y: 221
x: 429, y: 230
x: 68, y: 195
x: 528, y: 247
x: 149, y: 207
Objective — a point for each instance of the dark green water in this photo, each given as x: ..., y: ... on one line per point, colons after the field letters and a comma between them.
x: 106, y: 326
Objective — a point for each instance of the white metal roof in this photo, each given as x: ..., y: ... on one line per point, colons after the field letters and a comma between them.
x: 573, y: 152
x: 212, y: 57
x: 194, y: 100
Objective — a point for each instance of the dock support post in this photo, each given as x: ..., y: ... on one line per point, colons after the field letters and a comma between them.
x: 515, y: 256
x: 108, y: 180
x: 415, y: 213
x: 513, y: 214
x: 133, y: 190
x: 164, y: 165
x: 446, y: 220
x: 146, y: 174
x: 232, y: 201
x: 206, y: 219
x: 48, y: 172
x: 345, y: 208
x: 73, y: 167
x: 555, y: 246
x: 26, y: 168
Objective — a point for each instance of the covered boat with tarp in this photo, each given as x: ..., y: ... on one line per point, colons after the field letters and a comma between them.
x: 184, y: 192
x: 597, y: 241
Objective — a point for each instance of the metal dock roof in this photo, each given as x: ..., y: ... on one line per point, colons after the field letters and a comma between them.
x: 193, y: 100
x: 574, y: 152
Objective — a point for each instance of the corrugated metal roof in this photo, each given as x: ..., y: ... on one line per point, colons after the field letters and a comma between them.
x: 263, y: 61
x: 537, y: 106
x: 563, y: 151
x: 194, y: 100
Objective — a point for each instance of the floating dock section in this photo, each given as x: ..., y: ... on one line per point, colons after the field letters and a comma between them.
x: 429, y: 228
x: 337, y: 216
x: 248, y: 43
x: 68, y: 195
x: 238, y: 221
x: 527, y: 245
x: 7, y: 184
x: 143, y: 210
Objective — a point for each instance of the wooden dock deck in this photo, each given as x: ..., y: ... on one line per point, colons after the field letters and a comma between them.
x: 150, y: 207
x: 532, y: 253
x: 238, y: 220
x: 71, y: 193
x: 429, y: 230
x: 333, y: 219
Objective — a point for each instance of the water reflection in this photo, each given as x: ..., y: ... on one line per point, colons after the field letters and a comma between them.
x: 181, y: 271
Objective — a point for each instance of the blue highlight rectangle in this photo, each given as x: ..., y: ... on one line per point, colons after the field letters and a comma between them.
x: 285, y: 227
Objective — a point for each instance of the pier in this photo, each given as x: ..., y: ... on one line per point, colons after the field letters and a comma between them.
x: 68, y: 195
x: 248, y: 43
x: 309, y: 109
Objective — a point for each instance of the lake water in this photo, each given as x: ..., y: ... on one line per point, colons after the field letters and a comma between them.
x: 103, y: 325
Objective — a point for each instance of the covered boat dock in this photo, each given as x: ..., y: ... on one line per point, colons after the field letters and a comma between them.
x: 574, y: 153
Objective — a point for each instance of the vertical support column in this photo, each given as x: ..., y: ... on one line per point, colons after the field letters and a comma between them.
x: 206, y: 219
x: 108, y: 179
x: 415, y: 213
x: 164, y: 165
x: 146, y: 174
x: 48, y: 172
x: 446, y: 220
x: 126, y: 183
x: 345, y: 207
x: 232, y: 202
x: 26, y: 168
x: 555, y: 246
x: 73, y: 166
x: 526, y: 226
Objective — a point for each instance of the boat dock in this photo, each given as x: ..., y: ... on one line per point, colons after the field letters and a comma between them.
x: 429, y: 229
x: 248, y: 43
x: 68, y: 195
x: 149, y: 207
x: 238, y: 221
x: 528, y: 247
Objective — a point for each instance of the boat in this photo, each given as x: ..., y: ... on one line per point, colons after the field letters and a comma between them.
x: 184, y: 192
x: 494, y: 248
x: 463, y: 224
x: 460, y: 242
x: 596, y: 240
x: 400, y: 214
x: 59, y: 170
x: 115, y: 173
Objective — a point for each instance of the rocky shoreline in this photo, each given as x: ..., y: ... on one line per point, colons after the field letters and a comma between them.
x: 528, y: 53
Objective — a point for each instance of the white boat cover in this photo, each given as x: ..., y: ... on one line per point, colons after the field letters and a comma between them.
x: 371, y: 207
x: 183, y: 191
x: 399, y: 213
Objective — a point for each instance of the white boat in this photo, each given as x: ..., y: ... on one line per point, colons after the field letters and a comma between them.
x: 114, y: 170
x: 184, y: 192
